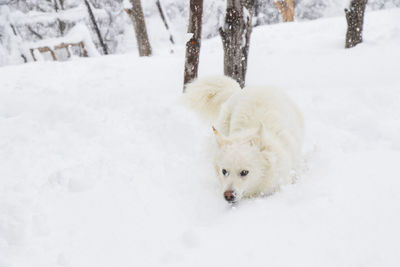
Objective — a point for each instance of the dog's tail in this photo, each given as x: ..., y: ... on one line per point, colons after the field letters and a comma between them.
x: 206, y: 95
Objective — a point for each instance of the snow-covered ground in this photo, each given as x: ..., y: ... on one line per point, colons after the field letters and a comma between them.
x: 100, y: 165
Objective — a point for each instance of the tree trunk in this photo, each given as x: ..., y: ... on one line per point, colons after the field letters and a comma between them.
x: 193, y: 45
x: 286, y: 7
x: 355, y: 21
x: 16, y: 36
x: 236, y: 38
x: 61, y: 24
x: 96, y: 28
x: 137, y: 17
x: 257, y: 7
x: 164, y: 19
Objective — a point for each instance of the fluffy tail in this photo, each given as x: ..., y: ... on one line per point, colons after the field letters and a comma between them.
x: 206, y: 95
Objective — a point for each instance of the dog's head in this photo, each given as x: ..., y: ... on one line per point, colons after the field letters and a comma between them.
x: 242, y: 163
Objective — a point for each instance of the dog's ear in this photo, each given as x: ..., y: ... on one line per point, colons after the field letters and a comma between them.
x: 258, y: 138
x: 221, y: 140
x: 266, y: 149
x: 270, y: 157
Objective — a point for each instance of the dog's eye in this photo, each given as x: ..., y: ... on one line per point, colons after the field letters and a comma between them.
x: 244, y: 173
x: 224, y: 172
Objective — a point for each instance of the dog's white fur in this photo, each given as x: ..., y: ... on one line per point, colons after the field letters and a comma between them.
x: 258, y: 129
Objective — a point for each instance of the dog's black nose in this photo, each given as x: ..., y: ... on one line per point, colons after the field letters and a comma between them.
x: 229, y: 196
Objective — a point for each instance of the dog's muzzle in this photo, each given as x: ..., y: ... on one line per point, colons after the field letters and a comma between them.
x: 230, y: 196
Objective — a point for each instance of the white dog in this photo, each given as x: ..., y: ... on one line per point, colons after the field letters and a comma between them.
x: 259, y: 132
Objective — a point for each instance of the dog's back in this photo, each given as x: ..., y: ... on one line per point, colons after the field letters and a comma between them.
x: 220, y: 101
x: 267, y: 105
x: 270, y: 106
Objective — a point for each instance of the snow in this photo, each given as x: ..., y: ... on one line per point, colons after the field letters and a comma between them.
x: 9, y: 43
x: 100, y: 165
x: 78, y: 13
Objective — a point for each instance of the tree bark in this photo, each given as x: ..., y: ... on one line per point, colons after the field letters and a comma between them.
x: 235, y: 37
x: 96, y: 28
x: 193, y: 45
x: 355, y: 21
x: 164, y: 19
x: 137, y: 17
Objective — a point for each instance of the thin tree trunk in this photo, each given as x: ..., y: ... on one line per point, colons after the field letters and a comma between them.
x: 355, y: 21
x: 257, y: 6
x: 58, y: 4
x: 61, y: 24
x: 34, y: 32
x: 236, y: 38
x: 16, y: 36
x: 96, y: 28
x: 193, y: 45
x: 164, y: 19
x: 137, y: 17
